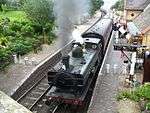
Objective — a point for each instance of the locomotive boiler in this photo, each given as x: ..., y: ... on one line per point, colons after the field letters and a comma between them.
x: 70, y: 79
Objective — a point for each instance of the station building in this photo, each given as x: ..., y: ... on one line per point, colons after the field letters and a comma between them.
x: 143, y: 24
x: 137, y: 16
x: 133, y: 8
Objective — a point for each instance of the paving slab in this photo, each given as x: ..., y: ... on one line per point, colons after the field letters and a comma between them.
x: 8, y: 105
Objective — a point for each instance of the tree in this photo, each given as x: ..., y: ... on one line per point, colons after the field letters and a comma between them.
x: 3, y: 42
x: 96, y: 5
x: 40, y: 12
x: 2, y: 2
x: 119, y: 5
x: 22, y: 2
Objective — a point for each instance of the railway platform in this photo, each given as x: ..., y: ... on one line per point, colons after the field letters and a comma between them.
x: 110, y: 80
x: 8, y: 105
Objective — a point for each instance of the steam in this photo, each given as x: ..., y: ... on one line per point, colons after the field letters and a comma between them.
x: 68, y: 13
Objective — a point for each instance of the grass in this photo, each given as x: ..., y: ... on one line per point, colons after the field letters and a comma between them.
x: 14, y: 15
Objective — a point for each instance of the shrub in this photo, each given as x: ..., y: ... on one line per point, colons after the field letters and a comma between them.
x: 128, y: 95
x: 21, y: 47
x: 144, y: 91
x: 5, y: 58
x: 16, y: 26
x: 148, y: 106
x: 10, y: 32
x: 20, y: 36
x: 27, y: 30
x: 3, y: 41
x: 51, y: 37
x: 140, y: 93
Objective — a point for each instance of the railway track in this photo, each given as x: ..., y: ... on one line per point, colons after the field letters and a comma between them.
x: 34, y: 100
x: 33, y: 95
x: 63, y: 108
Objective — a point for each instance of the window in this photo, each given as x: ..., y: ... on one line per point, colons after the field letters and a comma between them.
x: 132, y: 14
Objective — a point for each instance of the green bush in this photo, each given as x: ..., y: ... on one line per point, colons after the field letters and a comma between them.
x: 21, y: 47
x: 16, y: 26
x: 148, y: 106
x: 5, y: 58
x: 37, y: 29
x: 27, y: 30
x: 20, y: 36
x: 3, y: 41
x: 144, y: 91
x: 128, y: 95
x: 96, y: 5
x: 10, y: 32
x: 140, y: 93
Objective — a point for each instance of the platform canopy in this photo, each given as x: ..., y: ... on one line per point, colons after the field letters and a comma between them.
x: 8, y: 105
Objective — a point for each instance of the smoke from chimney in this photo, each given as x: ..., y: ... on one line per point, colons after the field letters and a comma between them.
x: 68, y: 13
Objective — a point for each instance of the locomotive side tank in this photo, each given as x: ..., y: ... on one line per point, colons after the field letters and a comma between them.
x: 71, y: 78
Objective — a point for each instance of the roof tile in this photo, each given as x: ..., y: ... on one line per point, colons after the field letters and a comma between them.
x: 136, y: 4
x: 143, y: 20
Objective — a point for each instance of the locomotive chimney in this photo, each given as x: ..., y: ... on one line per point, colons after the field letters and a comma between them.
x: 65, y: 61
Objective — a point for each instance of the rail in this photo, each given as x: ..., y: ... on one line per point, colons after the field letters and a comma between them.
x: 30, y: 98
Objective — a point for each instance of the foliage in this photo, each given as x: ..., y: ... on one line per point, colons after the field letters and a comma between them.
x: 128, y: 95
x: 95, y: 5
x: 140, y: 93
x: 3, y: 42
x: 2, y: 2
x: 144, y: 91
x: 27, y: 30
x: 15, y: 26
x: 119, y: 5
x: 20, y: 32
x: 39, y: 11
x: 13, y: 4
x: 22, y: 2
x: 14, y: 16
x: 148, y: 106
x: 5, y: 57
x: 21, y: 47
